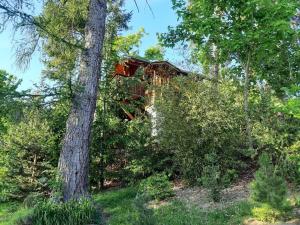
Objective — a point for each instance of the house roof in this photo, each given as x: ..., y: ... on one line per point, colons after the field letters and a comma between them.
x: 170, y: 65
x: 129, y: 65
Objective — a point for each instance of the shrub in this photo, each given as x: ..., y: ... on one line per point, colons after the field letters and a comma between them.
x: 291, y: 164
x: 156, y: 187
x: 81, y: 212
x: 8, y: 190
x: 268, y: 187
x: 211, y: 177
x: 266, y: 213
x: 195, y: 119
x: 295, y: 201
x: 33, y: 199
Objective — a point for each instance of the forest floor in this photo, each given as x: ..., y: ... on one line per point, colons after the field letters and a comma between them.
x: 198, y: 197
x: 231, y: 196
x: 189, y: 206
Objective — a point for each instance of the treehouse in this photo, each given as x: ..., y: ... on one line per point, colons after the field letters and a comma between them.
x: 149, y: 74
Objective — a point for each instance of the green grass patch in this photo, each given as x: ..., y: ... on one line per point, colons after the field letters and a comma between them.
x: 118, y: 204
x: 11, y: 212
x: 177, y: 213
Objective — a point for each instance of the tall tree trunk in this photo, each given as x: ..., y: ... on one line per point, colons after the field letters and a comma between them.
x: 246, y: 103
x: 215, y: 66
x: 74, y: 157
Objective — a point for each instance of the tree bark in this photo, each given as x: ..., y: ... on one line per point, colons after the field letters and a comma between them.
x: 246, y: 103
x: 74, y: 158
x: 215, y: 66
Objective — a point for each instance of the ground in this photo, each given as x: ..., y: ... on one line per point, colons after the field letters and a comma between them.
x: 198, y: 197
x: 190, y: 206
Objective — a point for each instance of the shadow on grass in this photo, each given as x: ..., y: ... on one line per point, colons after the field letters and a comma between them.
x: 117, y: 205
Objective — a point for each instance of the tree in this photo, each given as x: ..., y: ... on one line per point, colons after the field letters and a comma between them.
x: 268, y: 187
x: 246, y: 36
x: 8, y: 93
x: 73, y: 162
x: 74, y: 158
x: 128, y: 45
x: 27, y: 157
x: 61, y: 66
x: 154, y: 53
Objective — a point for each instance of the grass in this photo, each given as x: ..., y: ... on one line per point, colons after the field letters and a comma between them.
x: 118, y: 205
x: 177, y: 213
x: 11, y: 212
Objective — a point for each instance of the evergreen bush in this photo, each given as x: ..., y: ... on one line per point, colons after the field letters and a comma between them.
x: 156, y: 187
x: 27, y: 158
x: 269, y: 190
x: 268, y: 187
x: 211, y: 177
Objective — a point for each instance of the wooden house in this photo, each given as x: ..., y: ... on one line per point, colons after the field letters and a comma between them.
x: 155, y: 73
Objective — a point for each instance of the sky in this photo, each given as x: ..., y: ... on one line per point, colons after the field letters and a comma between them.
x: 153, y: 24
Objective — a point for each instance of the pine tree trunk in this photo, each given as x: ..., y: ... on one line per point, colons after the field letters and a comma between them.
x: 246, y: 104
x: 74, y: 157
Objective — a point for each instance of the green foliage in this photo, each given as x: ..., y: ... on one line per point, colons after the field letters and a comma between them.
x: 211, y: 176
x: 266, y: 213
x: 238, y: 31
x: 63, y: 21
x: 154, y: 53
x: 71, y: 213
x: 290, y: 165
x: 145, y: 215
x: 128, y: 45
x: 123, y: 149
x: 26, y: 157
x: 276, y: 132
x: 292, y: 105
x: 156, y: 187
x: 33, y: 199
x: 268, y: 187
x: 122, y: 145
x: 196, y: 117
x: 9, y: 105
